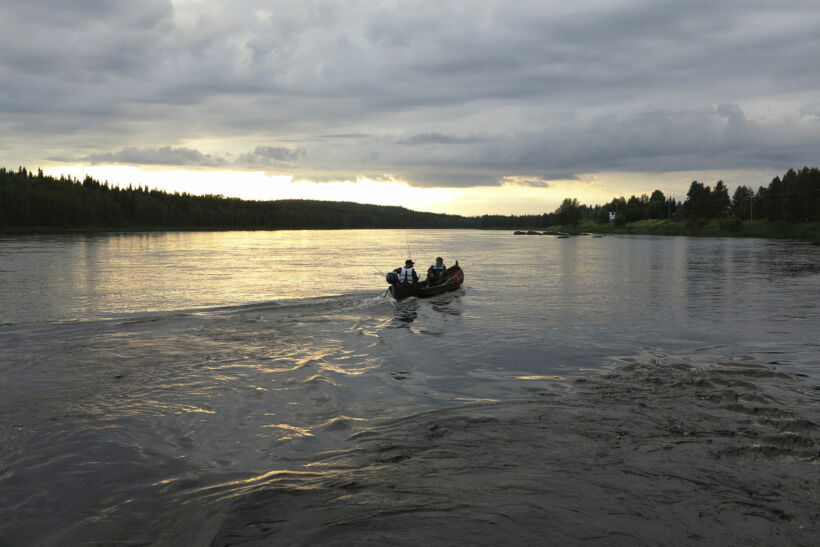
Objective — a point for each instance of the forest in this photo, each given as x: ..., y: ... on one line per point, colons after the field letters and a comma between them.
x: 31, y: 200
x: 794, y: 198
x: 35, y: 200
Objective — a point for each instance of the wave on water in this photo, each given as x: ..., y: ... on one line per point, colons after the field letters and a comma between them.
x: 655, y: 451
x: 317, y: 304
x: 355, y: 300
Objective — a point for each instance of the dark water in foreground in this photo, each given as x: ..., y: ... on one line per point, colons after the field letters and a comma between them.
x: 256, y: 388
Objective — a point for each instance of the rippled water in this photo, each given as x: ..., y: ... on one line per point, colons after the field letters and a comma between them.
x: 257, y: 387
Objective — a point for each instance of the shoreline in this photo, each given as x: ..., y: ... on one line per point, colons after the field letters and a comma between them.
x: 730, y: 227
x: 725, y: 228
x: 51, y: 230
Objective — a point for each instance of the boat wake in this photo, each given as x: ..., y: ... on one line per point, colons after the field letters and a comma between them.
x: 652, y: 452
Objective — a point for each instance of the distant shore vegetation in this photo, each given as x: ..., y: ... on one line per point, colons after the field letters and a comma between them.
x: 36, y: 202
x: 788, y: 206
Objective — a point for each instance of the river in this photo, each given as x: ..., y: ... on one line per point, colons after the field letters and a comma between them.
x: 257, y: 388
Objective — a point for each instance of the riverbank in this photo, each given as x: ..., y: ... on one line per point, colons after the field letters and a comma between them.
x: 48, y: 230
x: 57, y: 230
x: 725, y: 227
x: 728, y: 227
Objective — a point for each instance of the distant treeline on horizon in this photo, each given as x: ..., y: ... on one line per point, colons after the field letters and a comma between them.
x: 35, y: 200
x: 30, y: 199
x: 794, y: 198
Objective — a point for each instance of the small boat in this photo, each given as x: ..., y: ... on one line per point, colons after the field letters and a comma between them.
x: 452, y: 278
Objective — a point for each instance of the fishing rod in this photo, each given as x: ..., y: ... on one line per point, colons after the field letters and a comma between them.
x: 409, y: 254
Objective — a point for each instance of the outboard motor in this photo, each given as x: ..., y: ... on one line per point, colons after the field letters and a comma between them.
x: 392, y: 278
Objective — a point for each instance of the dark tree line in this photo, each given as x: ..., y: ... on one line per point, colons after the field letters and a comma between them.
x: 30, y: 199
x: 571, y: 213
x: 704, y: 202
x: 654, y: 206
x: 516, y: 221
x: 794, y: 198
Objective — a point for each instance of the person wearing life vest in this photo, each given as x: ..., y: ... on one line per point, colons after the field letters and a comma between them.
x: 407, y: 274
x: 436, y: 271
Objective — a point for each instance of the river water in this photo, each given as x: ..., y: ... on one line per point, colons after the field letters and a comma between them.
x: 257, y: 388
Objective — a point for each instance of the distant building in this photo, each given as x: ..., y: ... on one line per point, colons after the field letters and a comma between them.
x: 611, y: 216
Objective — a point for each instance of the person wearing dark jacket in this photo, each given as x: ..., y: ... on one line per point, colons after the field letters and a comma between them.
x: 436, y: 271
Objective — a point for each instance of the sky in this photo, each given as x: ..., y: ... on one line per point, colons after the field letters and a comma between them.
x: 466, y: 107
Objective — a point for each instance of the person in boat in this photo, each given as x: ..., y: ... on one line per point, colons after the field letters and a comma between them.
x: 407, y: 274
x: 435, y: 272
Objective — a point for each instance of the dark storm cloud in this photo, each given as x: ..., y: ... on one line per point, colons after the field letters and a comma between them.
x: 440, y: 94
x: 73, y: 41
x: 270, y: 156
x: 534, y: 182
x: 347, y: 136
x: 164, y: 155
x: 437, y: 138
x: 259, y: 157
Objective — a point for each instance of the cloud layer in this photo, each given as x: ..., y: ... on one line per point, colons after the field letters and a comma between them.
x: 460, y: 93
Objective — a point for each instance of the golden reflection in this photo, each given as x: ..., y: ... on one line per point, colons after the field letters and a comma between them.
x: 195, y: 409
x: 270, y: 370
x: 540, y: 377
x: 318, y: 379
x: 350, y: 370
x: 476, y: 400
x: 272, y: 278
x: 294, y: 431
x: 239, y: 488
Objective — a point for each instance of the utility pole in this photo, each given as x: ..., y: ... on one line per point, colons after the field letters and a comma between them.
x: 751, y: 195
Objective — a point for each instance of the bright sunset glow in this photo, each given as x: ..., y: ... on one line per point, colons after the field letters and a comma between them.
x: 510, y: 197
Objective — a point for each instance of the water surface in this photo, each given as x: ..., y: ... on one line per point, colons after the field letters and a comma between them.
x: 169, y: 387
